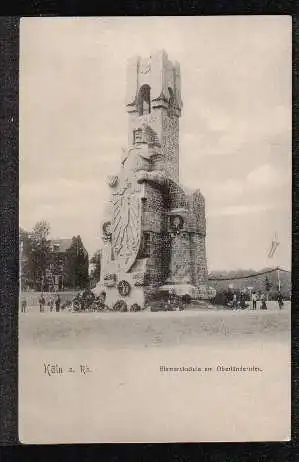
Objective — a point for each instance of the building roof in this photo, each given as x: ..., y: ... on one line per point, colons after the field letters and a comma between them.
x: 61, y: 245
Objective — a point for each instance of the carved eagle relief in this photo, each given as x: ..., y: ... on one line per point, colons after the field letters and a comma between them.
x: 126, y: 223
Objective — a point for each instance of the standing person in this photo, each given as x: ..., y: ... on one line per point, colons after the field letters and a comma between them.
x: 42, y: 302
x: 51, y: 304
x: 235, y: 302
x: 83, y: 301
x: 242, y: 300
x: 57, y: 303
x: 280, y: 300
x: 185, y: 300
x: 23, y: 305
x: 263, y: 300
x: 173, y: 301
x: 170, y: 301
x: 254, y: 300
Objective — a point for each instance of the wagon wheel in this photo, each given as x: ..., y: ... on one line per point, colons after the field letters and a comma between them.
x: 120, y: 305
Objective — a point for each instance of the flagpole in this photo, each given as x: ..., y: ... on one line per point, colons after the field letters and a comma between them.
x: 278, y: 278
x: 275, y: 243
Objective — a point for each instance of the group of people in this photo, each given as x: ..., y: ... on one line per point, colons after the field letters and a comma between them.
x: 238, y: 301
x: 84, y: 301
x: 262, y: 299
x: 255, y: 298
x: 51, y: 302
x: 88, y: 301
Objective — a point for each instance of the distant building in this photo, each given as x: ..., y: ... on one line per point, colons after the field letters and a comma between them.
x: 55, y: 272
x: 60, y: 246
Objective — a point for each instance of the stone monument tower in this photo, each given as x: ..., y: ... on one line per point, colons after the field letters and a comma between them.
x: 153, y: 231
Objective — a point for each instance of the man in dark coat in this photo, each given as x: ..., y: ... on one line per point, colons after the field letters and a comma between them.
x: 57, y: 303
x: 263, y: 300
x: 42, y: 302
x: 23, y: 305
x: 280, y: 300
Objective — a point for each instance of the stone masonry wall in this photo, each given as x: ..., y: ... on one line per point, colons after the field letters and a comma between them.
x: 198, y: 239
x: 170, y: 144
x: 155, y: 268
x: 153, y: 210
x: 180, y: 265
x: 180, y: 259
x: 199, y: 261
x: 154, y: 222
x: 197, y: 205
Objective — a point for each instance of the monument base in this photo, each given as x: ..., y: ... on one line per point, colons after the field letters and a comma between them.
x: 128, y: 294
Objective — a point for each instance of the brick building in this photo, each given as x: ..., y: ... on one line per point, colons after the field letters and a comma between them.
x: 54, y: 277
x: 55, y: 272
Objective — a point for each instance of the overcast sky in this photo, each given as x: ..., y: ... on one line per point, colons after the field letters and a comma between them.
x: 235, y: 129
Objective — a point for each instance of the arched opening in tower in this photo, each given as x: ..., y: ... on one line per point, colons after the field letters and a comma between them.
x: 171, y: 96
x: 144, y: 100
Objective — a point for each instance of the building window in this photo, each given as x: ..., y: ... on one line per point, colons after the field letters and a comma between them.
x: 144, y: 100
x: 171, y: 96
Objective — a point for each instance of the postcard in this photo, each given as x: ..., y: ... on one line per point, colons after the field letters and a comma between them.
x: 155, y: 229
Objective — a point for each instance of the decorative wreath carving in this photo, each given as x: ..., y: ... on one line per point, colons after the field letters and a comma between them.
x: 176, y: 223
x: 124, y: 288
x: 120, y: 305
x: 107, y: 231
x: 135, y: 307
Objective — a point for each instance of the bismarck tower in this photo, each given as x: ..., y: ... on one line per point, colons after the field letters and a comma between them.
x: 153, y: 231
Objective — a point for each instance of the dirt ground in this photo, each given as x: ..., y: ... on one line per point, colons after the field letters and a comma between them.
x: 127, y: 397
x: 68, y: 330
